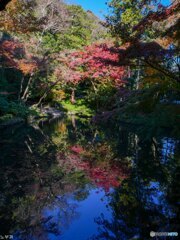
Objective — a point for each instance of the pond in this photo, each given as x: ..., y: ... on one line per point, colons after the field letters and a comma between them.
x: 70, y: 179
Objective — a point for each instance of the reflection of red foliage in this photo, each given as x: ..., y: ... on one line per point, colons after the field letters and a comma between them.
x: 106, y: 176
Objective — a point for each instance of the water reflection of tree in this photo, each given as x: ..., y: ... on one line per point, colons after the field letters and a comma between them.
x: 30, y: 181
x: 141, y: 203
x: 148, y: 199
x: 34, y: 175
x: 21, y: 168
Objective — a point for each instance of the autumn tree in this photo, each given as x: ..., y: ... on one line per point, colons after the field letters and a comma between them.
x: 96, y: 64
x: 149, y: 42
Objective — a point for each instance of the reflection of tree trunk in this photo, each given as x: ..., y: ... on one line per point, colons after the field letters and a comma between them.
x: 73, y: 96
x: 95, y: 135
x: 29, y: 147
x: 154, y: 147
x: 138, y: 77
x: 129, y: 72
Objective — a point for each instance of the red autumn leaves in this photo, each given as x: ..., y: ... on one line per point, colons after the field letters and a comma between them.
x: 98, y: 62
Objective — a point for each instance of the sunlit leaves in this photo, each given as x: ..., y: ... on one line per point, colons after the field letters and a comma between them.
x: 95, y: 62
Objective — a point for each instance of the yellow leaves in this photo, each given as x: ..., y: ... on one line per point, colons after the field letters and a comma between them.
x: 58, y: 94
x: 61, y: 128
x: 12, y: 4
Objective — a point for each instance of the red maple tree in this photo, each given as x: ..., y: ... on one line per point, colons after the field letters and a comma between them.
x: 98, y: 62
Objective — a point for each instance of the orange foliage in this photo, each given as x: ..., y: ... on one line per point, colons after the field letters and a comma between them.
x: 14, y: 56
x: 27, y: 67
x: 165, y: 42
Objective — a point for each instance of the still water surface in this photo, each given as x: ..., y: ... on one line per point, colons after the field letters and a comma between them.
x: 67, y: 179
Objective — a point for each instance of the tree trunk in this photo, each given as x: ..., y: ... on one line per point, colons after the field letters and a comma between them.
x: 94, y: 87
x: 48, y: 89
x: 73, y: 96
x: 26, y: 92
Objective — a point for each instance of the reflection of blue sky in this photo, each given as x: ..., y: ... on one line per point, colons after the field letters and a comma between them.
x: 157, y: 199
x: 168, y: 147
x: 81, y: 224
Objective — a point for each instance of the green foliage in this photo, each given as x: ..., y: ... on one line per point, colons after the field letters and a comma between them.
x: 9, y: 80
x: 6, y: 118
x: 80, y: 107
x: 85, y: 25
x: 10, y: 109
x: 150, y: 114
x: 124, y: 16
x: 57, y: 172
x: 4, y: 105
x: 18, y: 109
x: 102, y: 98
x: 84, y: 28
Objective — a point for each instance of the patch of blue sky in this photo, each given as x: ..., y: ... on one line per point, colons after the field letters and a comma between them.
x: 99, y: 7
